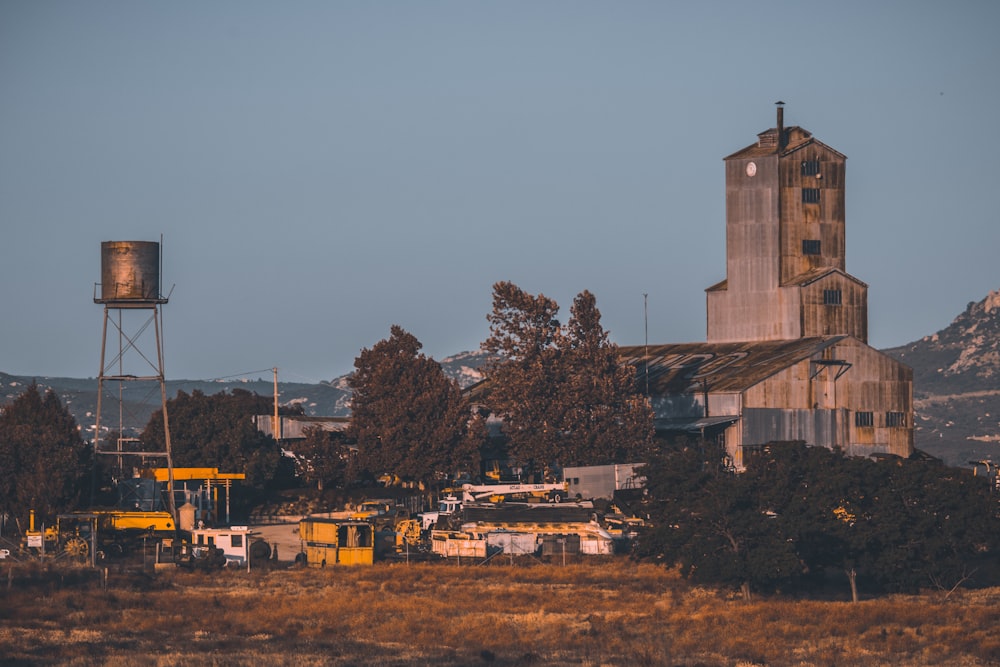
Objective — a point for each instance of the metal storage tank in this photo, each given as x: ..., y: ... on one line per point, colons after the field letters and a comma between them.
x: 130, y: 271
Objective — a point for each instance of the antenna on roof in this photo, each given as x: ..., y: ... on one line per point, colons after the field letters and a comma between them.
x: 645, y: 324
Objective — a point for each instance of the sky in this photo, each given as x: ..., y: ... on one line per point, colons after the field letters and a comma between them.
x: 320, y: 171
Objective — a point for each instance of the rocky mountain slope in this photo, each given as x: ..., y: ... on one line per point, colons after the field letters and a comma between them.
x: 956, y: 385
x: 956, y: 390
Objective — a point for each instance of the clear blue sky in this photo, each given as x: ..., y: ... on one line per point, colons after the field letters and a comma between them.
x: 321, y: 170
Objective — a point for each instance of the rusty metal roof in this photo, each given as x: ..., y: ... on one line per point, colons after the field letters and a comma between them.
x: 721, y: 285
x: 767, y: 144
x: 694, y: 425
x: 813, y: 275
x: 718, y: 367
x: 678, y: 368
x: 810, y: 276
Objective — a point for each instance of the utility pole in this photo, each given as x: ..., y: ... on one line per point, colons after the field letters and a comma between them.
x: 276, y: 421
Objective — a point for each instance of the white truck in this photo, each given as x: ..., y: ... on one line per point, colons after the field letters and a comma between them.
x: 447, y: 506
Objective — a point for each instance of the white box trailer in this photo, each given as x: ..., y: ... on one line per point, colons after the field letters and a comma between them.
x: 602, y: 481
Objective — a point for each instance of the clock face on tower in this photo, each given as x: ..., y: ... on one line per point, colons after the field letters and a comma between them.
x: 751, y: 169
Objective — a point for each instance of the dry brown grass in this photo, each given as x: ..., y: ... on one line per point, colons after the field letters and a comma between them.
x: 590, y: 613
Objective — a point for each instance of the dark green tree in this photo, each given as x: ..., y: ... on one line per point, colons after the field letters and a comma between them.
x: 218, y: 431
x: 407, y: 417
x: 46, y: 464
x: 900, y: 525
x: 560, y: 391
x: 608, y: 420
x: 711, y: 524
x: 897, y: 525
x: 324, y: 459
x: 938, y: 527
x: 825, y: 503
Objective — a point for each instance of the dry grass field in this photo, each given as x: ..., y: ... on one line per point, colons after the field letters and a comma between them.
x: 592, y: 613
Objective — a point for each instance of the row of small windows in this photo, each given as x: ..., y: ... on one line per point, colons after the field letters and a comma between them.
x: 810, y: 167
x: 234, y: 540
x: 832, y: 297
x: 892, y: 419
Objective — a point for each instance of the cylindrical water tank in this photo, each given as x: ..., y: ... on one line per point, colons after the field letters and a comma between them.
x: 130, y: 271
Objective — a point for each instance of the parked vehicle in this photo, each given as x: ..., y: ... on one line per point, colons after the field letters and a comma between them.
x: 335, y: 542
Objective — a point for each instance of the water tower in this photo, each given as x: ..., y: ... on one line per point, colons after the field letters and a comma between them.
x: 130, y: 292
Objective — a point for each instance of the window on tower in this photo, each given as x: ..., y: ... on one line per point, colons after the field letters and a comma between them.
x: 864, y: 419
x: 810, y: 247
x: 832, y: 297
x: 810, y: 167
x: 895, y: 419
x: 810, y: 195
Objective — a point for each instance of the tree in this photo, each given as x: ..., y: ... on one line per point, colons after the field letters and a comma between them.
x: 826, y: 503
x: 218, y: 431
x: 608, y: 419
x: 799, y: 512
x: 711, y: 524
x: 407, y: 417
x: 938, y: 527
x: 323, y: 458
x: 46, y: 464
x: 561, y: 392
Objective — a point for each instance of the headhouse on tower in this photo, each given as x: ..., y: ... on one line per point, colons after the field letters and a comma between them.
x: 787, y: 355
x: 785, y: 244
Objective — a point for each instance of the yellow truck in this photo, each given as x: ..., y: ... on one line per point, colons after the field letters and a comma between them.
x: 335, y: 542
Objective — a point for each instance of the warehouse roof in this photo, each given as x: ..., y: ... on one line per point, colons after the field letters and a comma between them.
x: 718, y: 367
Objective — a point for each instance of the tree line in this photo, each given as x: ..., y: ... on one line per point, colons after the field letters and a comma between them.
x: 558, y: 391
x: 803, y: 519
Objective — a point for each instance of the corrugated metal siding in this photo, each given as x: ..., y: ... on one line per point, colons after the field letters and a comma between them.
x: 295, y: 427
x: 849, y: 317
x: 815, y: 427
x: 602, y: 481
x: 809, y: 389
x: 822, y: 221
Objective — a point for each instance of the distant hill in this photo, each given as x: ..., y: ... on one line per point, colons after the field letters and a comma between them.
x: 956, y: 385
x: 956, y: 391
x: 141, y: 399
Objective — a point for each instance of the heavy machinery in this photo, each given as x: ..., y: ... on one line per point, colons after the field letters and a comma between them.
x: 48, y: 541
x: 138, y: 518
x: 408, y: 534
x: 94, y: 535
x: 451, y: 504
x: 497, y: 493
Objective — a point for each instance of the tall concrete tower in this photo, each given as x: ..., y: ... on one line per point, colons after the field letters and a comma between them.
x: 786, y: 276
